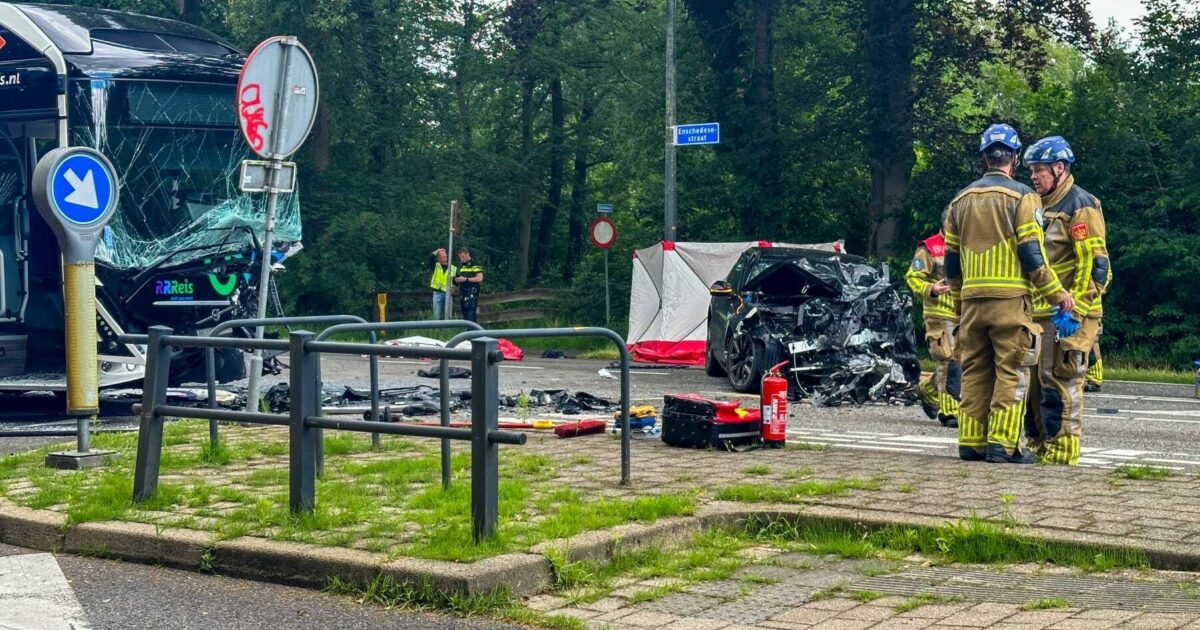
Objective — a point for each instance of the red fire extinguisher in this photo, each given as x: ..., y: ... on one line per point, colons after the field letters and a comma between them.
x: 774, y: 407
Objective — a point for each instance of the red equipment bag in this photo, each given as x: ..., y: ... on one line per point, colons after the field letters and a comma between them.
x: 691, y: 421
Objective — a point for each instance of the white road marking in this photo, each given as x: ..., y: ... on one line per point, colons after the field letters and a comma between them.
x: 35, y: 595
x: 1195, y: 401
x: 943, y: 446
x: 923, y: 439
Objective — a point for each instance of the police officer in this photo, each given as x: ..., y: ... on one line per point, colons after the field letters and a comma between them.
x: 468, y: 278
x: 995, y: 261
x: 927, y: 279
x: 1075, y: 249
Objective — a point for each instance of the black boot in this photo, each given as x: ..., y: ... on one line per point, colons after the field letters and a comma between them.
x: 969, y: 454
x: 1091, y: 388
x: 929, y: 409
x: 948, y: 421
x: 997, y: 455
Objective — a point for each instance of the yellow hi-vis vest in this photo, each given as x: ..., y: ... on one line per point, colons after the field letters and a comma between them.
x: 441, y: 274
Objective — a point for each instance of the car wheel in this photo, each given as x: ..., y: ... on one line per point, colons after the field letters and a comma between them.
x: 744, y: 363
x: 711, y: 366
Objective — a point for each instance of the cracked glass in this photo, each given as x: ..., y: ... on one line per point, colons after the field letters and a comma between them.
x: 177, y: 152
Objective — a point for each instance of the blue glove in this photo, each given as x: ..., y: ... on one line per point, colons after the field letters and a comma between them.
x: 1065, y: 323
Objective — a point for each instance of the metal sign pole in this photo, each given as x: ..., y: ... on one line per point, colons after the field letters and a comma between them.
x: 449, y: 305
x: 669, y: 220
x: 607, y: 311
x: 268, y: 242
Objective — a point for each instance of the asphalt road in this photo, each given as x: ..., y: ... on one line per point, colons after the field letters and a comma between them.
x: 122, y: 596
x: 1157, y: 424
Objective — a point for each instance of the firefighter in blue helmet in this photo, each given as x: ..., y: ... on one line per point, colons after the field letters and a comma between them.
x: 995, y: 263
x: 1076, y: 251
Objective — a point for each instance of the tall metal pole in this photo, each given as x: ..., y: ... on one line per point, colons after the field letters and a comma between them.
x: 607, y: 311
x: 669, y: 220
x: 268, y: 244
x: 450, y: 281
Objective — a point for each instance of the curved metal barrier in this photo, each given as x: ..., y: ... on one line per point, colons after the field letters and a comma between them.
x: 372, y: 328
x: 558, y: 332
x: 304, y: 419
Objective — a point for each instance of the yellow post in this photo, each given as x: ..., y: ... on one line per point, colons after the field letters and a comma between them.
x: 83, y: 374
x: 381, y: 303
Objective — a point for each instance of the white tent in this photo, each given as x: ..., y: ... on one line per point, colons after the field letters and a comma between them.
x: 668, y: 302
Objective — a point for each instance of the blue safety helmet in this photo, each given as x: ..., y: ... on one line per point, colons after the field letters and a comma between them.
x: 1001, y: 134
x: 1049, y: 150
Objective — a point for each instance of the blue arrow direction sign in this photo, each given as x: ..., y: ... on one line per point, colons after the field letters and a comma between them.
x: 702, y: 133
x: 81, y: 189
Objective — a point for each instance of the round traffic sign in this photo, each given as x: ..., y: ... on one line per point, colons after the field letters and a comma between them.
x: 277, y: 97
x: 75, y: 187
x: 602, y: 232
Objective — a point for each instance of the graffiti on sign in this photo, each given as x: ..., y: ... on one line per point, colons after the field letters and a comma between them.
x: 253, y: 114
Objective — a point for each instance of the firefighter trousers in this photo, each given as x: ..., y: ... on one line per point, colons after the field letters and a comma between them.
x: 996, y: 345
x: 1054, y: 420
x: 942, y: 388
x: 1095, y: 371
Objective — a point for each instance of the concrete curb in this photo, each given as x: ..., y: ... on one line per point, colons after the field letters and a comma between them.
x: 523, y: 574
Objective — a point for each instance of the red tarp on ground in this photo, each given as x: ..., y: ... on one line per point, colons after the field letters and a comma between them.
x: 510, y: 350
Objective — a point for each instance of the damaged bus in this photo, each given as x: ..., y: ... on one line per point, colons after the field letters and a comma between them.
x: 157, y: 97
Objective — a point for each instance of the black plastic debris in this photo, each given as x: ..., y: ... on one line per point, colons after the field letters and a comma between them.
x: 845, y: 326
x: 436, y: 372
x: 553, y: 354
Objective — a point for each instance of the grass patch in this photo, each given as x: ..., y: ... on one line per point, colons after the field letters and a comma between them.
x: 1046, y: 603
x: 798, y: 473
x: 906, y: 487
x: 424, y: 597
x: 1141, y: 471
x: 828, y: 593
x: 1148, y: 375
x: 394, y: 504
x: 794, y: 493
x: 970, y: 541
x: 606, y: 354
x: 754, y: 578
x: 864, y: 596
x: 215, y: 455
x: 757, y: 469
x: 925, y: 599
x: 656, y: 592
x: 709, y: 555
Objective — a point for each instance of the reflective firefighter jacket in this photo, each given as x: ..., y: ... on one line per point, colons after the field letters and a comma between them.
x: 994, y: 242
x: 1075, y: 248
x: 928, y: 266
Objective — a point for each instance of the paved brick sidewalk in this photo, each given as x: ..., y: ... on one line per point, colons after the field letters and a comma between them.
x: 1157, y: 512
x: 794, y: 591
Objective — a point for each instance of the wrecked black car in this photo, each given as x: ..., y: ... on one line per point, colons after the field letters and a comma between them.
x: 839, y: 322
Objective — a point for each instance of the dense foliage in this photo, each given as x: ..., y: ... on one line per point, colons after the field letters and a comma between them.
x: 842, y: 118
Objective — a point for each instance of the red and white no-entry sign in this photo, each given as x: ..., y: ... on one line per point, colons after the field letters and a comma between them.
x: 602, y: 232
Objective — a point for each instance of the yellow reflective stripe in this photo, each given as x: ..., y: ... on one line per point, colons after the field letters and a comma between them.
x: 997, y: 283
x: 951, y: 239
x: 1029, y: 228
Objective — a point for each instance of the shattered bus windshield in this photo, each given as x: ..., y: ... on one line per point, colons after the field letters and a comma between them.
x: 177, y: 151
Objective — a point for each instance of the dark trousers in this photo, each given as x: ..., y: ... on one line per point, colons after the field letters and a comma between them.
x: 467, y: 308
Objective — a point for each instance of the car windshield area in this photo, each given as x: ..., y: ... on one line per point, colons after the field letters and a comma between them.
x: 177, y: 152
x: 793, y: 279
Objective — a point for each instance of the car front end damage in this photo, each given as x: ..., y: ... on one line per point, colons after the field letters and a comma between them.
x: 844, y: 325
